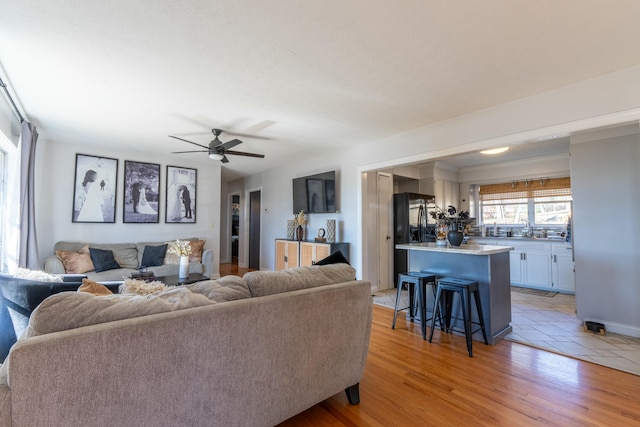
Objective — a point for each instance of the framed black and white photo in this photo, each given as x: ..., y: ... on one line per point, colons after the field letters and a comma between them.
x: 141, y: 192
x: 315, y: 195
x: 94, y: 191
x: 181, y: 195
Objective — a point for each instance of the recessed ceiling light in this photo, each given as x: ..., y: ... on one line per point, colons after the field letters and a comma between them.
x: 495, y: 150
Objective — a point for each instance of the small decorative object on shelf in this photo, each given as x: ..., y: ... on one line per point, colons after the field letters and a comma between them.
x: 321, y: 238
x: 449, y: 225
x: 291, y: 229
x: 182, y: 248
x: 147, y: 276
x: 301, y: 219
x: 331, y: 230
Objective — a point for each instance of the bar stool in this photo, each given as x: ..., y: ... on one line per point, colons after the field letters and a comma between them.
x: 465, y: 288
x: 416, y: 286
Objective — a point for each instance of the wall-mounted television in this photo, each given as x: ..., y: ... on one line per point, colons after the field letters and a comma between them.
x: 315, y: 193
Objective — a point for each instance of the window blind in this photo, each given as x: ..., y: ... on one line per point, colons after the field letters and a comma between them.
x: 526, y: 189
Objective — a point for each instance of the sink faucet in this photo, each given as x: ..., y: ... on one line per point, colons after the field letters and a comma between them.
x: 527, y: 230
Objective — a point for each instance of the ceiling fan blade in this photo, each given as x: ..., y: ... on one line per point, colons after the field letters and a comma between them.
x: 246, y: 135
x: 196, y: 151
x: 242, y: 153
x: 231, y: 144
x: 224, y: 159
x: 199, y: 145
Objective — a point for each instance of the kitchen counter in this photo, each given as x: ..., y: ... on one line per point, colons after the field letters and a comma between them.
x: 486, y: 264
x: 469, y: 249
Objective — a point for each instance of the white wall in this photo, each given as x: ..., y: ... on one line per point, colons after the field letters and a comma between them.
x: 605, y: 181
x: 54, y: 195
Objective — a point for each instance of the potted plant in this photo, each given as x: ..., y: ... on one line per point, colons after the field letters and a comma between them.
x: 448, y: 225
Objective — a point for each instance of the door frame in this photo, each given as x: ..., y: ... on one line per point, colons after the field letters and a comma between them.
x: 243, y: 249
x: 381, y: 235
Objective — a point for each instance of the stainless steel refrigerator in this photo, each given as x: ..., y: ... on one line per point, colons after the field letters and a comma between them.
x: 412, y: 223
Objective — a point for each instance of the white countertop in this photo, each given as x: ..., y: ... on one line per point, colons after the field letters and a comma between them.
x: 463, y: 249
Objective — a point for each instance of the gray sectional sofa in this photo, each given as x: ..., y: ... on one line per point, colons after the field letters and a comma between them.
x: 251, y: 351
x: 129, y: 257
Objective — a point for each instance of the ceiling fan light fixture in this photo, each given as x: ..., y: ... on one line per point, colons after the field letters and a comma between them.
x: 215, y: 156
x: 495, y: 150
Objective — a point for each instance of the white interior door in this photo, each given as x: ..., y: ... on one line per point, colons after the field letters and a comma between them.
x: 385, y: 225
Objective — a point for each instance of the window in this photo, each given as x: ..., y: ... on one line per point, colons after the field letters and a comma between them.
x: 540, y: 203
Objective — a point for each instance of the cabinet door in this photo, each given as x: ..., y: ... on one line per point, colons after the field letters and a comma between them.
x: 281, y: 252
x: 515, y: 267
x: 306, y: 253
x: 322, y: 251
x: 292, y: 254
x: 538, y: 269
x: 563, y: 274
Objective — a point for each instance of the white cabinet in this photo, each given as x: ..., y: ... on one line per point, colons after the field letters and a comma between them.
x: 447, y: 193
x: 562, y: 269
x: 538, y: 269
x: 516, y: 266
x: 531, y: 268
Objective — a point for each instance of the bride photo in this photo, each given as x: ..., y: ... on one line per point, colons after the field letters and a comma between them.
x: 95, y: 188
x: 141, y: 192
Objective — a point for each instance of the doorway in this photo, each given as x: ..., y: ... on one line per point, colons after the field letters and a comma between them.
x: 235, y: 227
x: 254, y: 229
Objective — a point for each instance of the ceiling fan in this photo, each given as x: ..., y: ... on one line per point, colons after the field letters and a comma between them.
x: 217, y: 149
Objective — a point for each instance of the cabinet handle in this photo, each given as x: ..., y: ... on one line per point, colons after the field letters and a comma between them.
x: 524, y: 256
x: 554, y: 258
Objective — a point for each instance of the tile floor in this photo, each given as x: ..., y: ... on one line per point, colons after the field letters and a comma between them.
x: 550, y: 323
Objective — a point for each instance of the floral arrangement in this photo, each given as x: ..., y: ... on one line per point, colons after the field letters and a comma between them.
x: 180, y: 248
x: 300, y: 218
x: 451, y: 216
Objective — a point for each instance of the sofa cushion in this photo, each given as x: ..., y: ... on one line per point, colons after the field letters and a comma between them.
x: 125, y: 254
x: 227, y: 288
x: 103, y: 260
x: 274, y: 282
x: 153, y: 256
x: 76, y: 262
x: 70, y: 310
x: 197, y: 246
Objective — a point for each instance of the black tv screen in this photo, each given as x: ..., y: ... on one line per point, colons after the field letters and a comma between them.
x: 315, y: 193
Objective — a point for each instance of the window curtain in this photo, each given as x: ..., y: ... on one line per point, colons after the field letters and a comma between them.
x: 28, y: 257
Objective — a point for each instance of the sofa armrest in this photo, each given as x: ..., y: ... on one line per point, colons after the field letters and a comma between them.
x: 207, y: 262
x: 53, y: 265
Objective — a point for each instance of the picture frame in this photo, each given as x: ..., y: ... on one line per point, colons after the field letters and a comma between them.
x: 141, y: 193
x: 315, y: 195
x: 181, y: 195
x: 95, y: 189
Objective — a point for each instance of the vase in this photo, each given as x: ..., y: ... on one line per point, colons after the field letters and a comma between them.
x: 455, y: 237
x: 183, y: 273
x: 291, y: 229
x: 299, y: 233
x: 331, y: 230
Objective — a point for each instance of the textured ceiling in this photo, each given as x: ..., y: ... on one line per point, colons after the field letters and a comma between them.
x: 309, y: 76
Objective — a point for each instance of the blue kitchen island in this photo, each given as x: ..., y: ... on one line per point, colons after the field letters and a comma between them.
x: 486, y: 264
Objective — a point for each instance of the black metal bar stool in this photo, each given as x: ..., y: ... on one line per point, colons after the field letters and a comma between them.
x: 416, y: 286
x: 447, y: 286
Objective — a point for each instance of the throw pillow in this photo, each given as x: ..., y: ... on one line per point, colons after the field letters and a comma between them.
x: 76, y: 262
x: 335, y: 258
x: 140, y: 287
x: 153, y: 256
x: 94, y: 288
x: 196, y: 250
x: 103, y: 259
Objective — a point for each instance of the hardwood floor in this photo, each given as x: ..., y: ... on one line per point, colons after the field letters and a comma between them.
x: 409, y: 382
x: 233, y: 269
